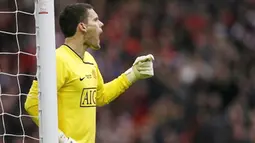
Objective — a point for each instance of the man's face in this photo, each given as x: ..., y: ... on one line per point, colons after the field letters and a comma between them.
x: 93, y: 30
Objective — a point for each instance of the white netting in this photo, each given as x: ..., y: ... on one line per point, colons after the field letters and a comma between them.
x: 17, y: 69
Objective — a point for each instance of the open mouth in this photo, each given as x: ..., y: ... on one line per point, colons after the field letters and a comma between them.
x: 100, y: 34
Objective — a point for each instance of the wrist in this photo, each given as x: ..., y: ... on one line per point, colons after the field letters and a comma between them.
x: 62, y: 138
x: 130, y: 75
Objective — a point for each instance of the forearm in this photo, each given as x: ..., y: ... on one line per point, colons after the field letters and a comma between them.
x: 112, y: 90
x: 33, y: 111
x: 31, y: 104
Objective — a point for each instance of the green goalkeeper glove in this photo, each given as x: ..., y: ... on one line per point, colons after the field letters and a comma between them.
x: 142, y: 68
x: 63, y: 139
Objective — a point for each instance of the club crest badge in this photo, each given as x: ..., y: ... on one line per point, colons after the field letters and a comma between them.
x: 94, y: 75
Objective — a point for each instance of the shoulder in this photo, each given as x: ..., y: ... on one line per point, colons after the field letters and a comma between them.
x: 61, y: 54
x: 60, y: 51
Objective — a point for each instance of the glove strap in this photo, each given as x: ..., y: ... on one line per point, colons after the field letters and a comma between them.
x: 130, y: 75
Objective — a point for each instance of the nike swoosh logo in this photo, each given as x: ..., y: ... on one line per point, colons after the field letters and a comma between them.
x: 81, y: 79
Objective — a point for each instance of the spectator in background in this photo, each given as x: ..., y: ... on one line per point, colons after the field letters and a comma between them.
x: 203, y: 90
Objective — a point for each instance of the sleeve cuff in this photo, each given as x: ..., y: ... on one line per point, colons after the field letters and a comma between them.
x: 125, y: 80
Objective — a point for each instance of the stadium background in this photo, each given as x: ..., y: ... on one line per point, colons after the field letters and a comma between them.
x: 204, y: 85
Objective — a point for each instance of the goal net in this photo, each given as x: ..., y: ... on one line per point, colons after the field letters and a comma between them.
x: 18, y: 66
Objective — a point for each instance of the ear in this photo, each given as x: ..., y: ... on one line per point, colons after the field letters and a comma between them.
x: 82, y: 27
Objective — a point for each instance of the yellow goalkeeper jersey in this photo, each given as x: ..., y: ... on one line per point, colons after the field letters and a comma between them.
x: 80, y: 88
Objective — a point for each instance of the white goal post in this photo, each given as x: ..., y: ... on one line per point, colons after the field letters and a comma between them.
x: 45, y: 37
x: 27, y: 26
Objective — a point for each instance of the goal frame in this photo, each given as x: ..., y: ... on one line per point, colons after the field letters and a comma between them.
x: 46, y: 70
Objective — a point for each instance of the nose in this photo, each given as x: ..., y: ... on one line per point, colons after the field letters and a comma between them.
x: 101, y: 23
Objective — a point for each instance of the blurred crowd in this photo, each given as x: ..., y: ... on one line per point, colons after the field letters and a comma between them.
x: 204, y: 85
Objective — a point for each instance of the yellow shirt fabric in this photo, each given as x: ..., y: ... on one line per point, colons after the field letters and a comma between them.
x: 80, y: 89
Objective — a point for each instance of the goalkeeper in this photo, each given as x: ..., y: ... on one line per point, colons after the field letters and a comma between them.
x: 80, y: 86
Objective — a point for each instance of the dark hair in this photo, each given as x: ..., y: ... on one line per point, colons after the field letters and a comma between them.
x: 71, y: 16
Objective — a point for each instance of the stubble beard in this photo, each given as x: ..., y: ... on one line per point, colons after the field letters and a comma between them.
x: 89, y: 40
x: 93, y: 47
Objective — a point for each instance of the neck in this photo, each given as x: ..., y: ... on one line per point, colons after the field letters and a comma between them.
x: 77, y: 45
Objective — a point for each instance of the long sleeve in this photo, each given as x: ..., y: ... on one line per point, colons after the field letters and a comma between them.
x: 107, y: 92
x: 31, y: 104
